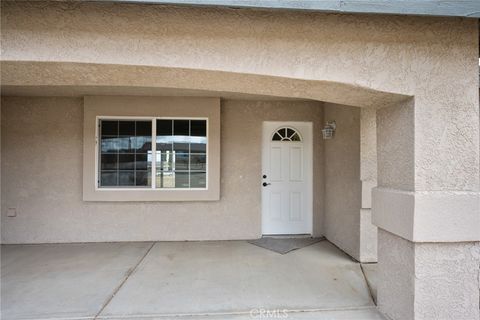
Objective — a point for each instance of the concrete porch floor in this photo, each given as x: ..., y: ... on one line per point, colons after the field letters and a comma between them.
x: 164, y: 280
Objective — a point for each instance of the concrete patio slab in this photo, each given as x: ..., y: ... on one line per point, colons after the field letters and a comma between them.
x: 167, y: 280
x: 195, y: 278
x: 63, y: 280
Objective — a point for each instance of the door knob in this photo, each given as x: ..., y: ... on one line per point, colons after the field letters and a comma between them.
x: 266, y: 184
x: 264, y: 176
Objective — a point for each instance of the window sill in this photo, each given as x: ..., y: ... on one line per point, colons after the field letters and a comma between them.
x: 126, y: 195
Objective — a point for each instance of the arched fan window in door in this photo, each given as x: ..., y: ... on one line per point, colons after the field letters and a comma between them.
x: 286, y: 134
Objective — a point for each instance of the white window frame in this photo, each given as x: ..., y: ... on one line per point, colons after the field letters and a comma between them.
x: 142, y: 107
x: 153, y: 186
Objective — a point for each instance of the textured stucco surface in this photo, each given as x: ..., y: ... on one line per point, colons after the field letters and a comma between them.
x: 430, y: 213
x: 342, y: 179
x: 368, y: 237
x: 329, y: 57
x: 368, y: 145
x: 447, y: 280
x: 431, y: 281
x: 428, y: 216
x: 368, y: 176
x: 26, y: 77
x: 42, y: 169
x: 396, y: 273
x: 396, y: 148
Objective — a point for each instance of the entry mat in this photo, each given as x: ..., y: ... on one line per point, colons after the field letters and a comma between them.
x: 284, y: 245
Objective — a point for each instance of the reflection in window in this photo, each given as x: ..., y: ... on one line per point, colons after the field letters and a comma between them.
x: 125, y: 147
x: 181, y: 153
x: 125, y: 153
x: 286, y: 134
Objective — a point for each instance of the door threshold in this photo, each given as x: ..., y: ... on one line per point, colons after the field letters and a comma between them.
x: 287, y: 236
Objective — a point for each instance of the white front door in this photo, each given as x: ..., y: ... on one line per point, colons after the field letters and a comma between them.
x: 287, y: 178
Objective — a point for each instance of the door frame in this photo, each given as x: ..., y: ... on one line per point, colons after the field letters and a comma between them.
x: 306, y: 132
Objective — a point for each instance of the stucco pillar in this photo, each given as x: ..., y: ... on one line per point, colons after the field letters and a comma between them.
x: 427, y: 208
x: 368, y: 177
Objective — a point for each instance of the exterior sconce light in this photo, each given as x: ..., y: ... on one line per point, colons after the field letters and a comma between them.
x: 329, y: 130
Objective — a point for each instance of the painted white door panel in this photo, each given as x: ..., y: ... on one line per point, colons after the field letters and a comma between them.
x: 287, y: 165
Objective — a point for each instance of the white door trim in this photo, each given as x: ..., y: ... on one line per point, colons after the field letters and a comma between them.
x: 306, y: 131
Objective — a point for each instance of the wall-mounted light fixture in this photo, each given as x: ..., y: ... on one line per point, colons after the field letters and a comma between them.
x: 329, y: 130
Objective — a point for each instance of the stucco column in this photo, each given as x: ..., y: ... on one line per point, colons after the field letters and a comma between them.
x: 427, y: 208
x: 368, y: 177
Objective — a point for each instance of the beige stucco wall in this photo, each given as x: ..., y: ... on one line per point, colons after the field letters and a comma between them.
x: 329, y: 57
x: 430, y: 267
x: 358, y: 60
x: 443, y: 279
x: 335, y: 58
x: 343, y: 191
x: 368, y: 176
x: 42, y: 141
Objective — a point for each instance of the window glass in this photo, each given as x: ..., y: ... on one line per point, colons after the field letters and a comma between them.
x: 286, y: 134
x: 164, y: 127
x: 142, y: 178
x: 109, y: 161
x: 126, y: 128
x: 109, y: 128
x: 181, y: 152
x: 182, y: 179
x: 198, y: 179
x: 108, y: 178
x: 181, y: 161
x: 181, y: 128
x: 125, y: 153
x: 126, y: 178
x: 141, y: 161
x: 198, y: 128
x: 198, y: 162
x: 164, y: 135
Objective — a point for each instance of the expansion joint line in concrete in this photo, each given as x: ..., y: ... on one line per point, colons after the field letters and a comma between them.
x: 129, y: 273
x: 370, y: 292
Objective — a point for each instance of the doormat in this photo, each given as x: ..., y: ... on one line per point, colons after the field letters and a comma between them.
x: 284, y: 245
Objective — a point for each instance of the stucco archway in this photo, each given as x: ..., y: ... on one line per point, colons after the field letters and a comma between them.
x: 395, y: 112
x: 88, y: 78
